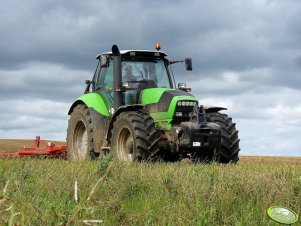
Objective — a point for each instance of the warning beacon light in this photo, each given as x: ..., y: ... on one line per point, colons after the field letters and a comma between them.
x: 158, y: 46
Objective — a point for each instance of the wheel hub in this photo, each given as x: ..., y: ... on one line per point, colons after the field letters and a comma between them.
x: 125, y: 145
x: 81, y: 140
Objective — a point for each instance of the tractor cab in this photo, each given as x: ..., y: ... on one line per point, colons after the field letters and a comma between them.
x: 140, y: 70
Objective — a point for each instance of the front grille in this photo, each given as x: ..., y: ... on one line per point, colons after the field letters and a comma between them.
x: 186, y: 114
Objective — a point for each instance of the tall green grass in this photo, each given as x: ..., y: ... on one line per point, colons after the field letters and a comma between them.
x: 41, y: 192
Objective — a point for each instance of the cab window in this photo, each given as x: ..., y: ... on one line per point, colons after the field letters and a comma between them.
x: 104, y: 80
x: 155, y: 70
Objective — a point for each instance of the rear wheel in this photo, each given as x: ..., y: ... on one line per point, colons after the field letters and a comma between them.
x: 80, y: 134
x: 229, y: 138
x: 134, y: 137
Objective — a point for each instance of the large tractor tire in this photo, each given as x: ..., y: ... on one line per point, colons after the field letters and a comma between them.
x: 80, y: 144
x: 229, y: 150
x: 134, y: 137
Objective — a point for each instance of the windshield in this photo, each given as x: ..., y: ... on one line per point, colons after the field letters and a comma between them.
x: 141, y: 69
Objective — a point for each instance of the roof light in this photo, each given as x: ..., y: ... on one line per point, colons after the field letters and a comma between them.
x: 158, y: 46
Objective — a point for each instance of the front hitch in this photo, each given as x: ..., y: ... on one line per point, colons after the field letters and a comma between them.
x: 205, y: 136
x: 198, y: 133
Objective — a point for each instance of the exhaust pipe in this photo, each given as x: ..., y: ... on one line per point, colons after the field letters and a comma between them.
x: 117, y: 79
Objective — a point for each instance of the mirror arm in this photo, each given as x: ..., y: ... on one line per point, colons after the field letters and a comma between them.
x: 176, y: 61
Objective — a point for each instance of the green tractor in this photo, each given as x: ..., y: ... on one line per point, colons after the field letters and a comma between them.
x: 133, y: 107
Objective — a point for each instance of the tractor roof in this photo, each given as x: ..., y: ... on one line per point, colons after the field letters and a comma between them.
x: 139, y: 53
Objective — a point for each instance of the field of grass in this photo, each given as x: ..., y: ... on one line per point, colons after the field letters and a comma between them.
x: 41, y: 191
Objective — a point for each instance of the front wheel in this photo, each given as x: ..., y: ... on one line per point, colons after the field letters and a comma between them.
x: 229, y: 138
x: 80, y: 135
x: 134, y: 137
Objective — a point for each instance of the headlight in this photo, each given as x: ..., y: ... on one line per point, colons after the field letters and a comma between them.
x: 187, y: 103
x: 179, y: 114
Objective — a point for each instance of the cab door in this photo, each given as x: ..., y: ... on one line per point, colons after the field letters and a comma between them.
x: 103, y: 84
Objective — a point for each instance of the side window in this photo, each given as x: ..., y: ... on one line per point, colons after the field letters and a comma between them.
x: 95, y: 77
x: 162, y: 77
x: 108, y: 81
x: 105, y: 78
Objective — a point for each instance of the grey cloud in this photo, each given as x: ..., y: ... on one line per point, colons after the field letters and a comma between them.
x: 267, y: 120
x: 246, y: 56
x: 298, y: 60
x: 51, y: 82
x: 27, y: 118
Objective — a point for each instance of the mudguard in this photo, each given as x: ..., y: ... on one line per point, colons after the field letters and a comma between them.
x: 100, y: 125
x: 94, y: 101
x: 211, y: 109
x: 100, y: 117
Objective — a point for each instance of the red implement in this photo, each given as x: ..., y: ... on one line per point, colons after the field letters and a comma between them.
x: 51, y: 150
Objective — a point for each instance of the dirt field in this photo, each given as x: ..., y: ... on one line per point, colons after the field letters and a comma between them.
x: 11, y: 145
x: 269, y: 159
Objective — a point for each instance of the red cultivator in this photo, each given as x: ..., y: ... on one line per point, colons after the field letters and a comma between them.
x: 50, y: 150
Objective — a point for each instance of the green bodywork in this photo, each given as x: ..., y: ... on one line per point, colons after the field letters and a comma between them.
x: 152, y: 96
x: 95, y: 101
x: 163, y: 120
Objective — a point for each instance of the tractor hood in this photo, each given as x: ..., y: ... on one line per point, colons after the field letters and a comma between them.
x: 163, y: 97
x: 152, y: 96
x: 162, y: 103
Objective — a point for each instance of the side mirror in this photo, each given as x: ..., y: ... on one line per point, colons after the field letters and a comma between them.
x: 104, y: 61
x: 88, y: 83
x: 188, y: 64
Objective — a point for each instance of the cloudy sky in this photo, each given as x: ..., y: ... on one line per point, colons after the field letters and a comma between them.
x: 246, y: 57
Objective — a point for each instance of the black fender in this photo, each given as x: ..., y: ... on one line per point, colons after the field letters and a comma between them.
x: 212, y: 109
x: 100, y: 124
x: 73, y: 106
x: 121, y: 109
